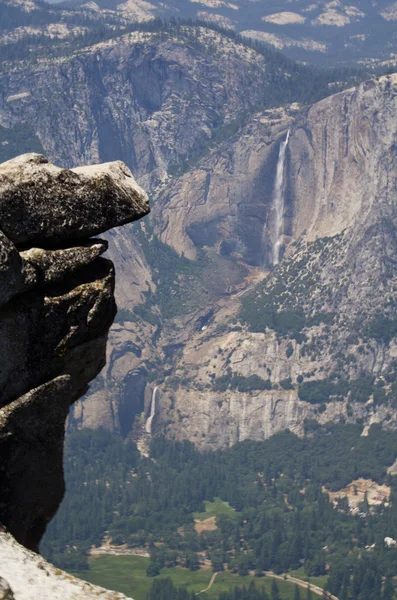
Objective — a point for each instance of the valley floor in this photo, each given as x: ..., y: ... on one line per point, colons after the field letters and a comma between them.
x: 127, y: 574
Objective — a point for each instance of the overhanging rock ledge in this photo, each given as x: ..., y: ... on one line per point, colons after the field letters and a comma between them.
x: 56, y: 306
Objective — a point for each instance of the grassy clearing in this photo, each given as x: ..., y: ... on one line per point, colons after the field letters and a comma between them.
x: 213, y: 509
x: 300, y: 574
x: 127, y: 574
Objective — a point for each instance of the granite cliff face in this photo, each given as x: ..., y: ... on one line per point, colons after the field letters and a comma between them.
x: 324, y: 317
x: 151, y: 99
x: 56, y: 306
x: 337, y: 284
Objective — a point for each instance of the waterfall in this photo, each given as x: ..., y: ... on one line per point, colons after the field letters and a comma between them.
x: 278, y: 202
x: 148, y: 425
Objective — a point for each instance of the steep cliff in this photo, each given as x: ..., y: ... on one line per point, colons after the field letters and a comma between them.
x: 156, y: 99
x: 319, y: 330
x: 56, y: 306
x: 152, y: 99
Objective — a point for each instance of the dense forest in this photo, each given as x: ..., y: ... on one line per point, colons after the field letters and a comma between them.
x: 279, y: 516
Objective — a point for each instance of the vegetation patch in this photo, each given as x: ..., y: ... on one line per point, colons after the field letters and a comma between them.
x: 241, y: 383
x: 127, y: 574
x: 283, y: 303
x: 179, y: 289
x: 214, y: 509
x: 325, y: 390
x: 267, y: 498
x: 381, y: 328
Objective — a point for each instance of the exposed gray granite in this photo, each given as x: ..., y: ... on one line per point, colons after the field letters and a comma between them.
x: 43, y: 204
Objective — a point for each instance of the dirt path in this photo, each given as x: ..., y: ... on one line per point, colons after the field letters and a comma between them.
x: 209, y: 586
x: 118, y: 552
x: 304, y: 584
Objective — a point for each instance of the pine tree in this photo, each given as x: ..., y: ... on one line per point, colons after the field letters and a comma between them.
x: 297, y: 594
x: 365, y: 505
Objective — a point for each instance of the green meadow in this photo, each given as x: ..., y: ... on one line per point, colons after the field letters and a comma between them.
x: 127, y: 574
x: 214, y: 509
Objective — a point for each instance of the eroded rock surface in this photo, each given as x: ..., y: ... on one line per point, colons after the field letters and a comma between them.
x: 41, y: 203
x: 56, y: 306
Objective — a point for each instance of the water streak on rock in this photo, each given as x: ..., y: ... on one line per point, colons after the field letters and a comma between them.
x: 278, y: 202
x: 149, y: 422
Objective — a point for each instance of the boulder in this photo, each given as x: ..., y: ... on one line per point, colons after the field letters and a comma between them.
x: 41, y: 204
x: 22, y: 271
x: 44, y: 267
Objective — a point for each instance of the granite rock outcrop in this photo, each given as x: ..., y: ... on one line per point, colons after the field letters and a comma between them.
x: 56, y: 306
x: 44, y: 204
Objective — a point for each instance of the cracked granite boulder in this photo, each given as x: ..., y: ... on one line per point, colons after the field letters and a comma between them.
x: 56, y: 306
x: 43, y: 204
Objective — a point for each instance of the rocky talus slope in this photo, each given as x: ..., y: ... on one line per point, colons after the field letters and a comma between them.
x: 56, y: 306
x: 315, y: 338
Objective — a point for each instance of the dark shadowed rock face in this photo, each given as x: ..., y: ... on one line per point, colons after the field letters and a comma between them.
x: 31, y: 448
x: 5, y: 590
x: 56, y: 307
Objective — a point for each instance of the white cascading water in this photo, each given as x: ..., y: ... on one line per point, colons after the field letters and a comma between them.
x: 278, y: 202
x: 148, y: 425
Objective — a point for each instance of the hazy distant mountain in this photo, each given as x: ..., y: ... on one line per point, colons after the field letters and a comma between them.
x: 320, y: 32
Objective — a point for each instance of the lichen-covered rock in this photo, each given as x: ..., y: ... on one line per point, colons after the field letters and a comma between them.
x: 43, y: 204
x: 23, y: 271
x: 51, y: 266
x: 13, y: 279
